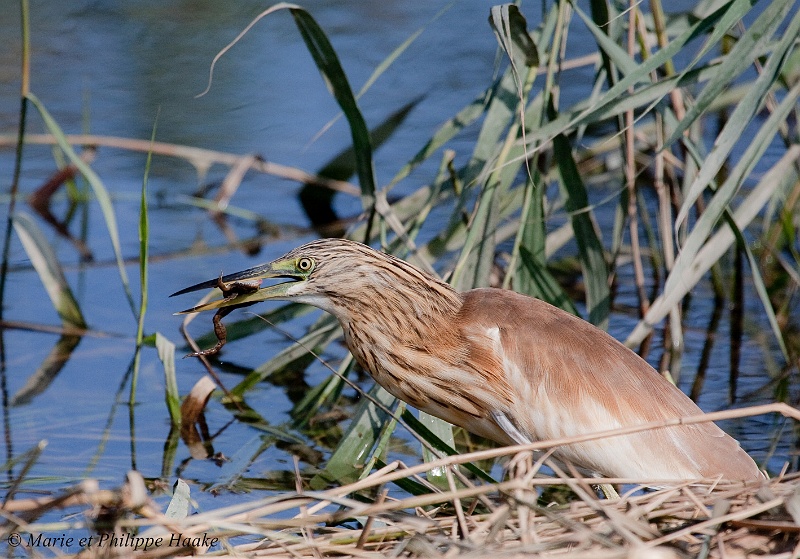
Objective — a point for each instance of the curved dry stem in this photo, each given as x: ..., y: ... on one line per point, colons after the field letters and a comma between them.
x: 242, y: 33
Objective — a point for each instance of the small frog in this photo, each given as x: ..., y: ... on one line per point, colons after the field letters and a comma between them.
x: 229, y: 291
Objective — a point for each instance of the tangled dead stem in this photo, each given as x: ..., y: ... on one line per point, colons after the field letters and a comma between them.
x: 506, y: 519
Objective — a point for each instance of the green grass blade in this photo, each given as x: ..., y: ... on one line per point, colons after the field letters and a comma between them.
x: 725, y: 193
x: 169, y: 453
x: 144, y: 236
x: 331, y: 69
x: 47, y: 266
x: 444, y: 176
x: 717, y: 23
x: 316, y: 200
x: 386, y: 64
x: 25, y: 60
x: 499, y: 116
x: 99, y: 190
x: 775, y: 179
x: 28, y: 461
x: 327, y: 62
x: 735, y: 127
x: 144, y: 241
x: 343, y: 165
x: 440, y: 444
x: 596, y: 111
x: 761, y: 289
x: 531, y: 235
x: 474, y: 267
x: 381, y: 447
x: 442, y: 431
x: 395, y: 54
x: 544, y: 285
x: 324, y: 394
x: 320, y: 336
x: 615, y: 53
x: 740, y: 58
x: 488, y: 172
x: 445, y: 133
x: 593, y: 262
x: 347, y: 464
x: 511, y: 30
x: 166, y: 353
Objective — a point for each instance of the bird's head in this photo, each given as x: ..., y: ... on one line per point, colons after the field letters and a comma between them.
x: 336, y: 275
x: 313, y: 270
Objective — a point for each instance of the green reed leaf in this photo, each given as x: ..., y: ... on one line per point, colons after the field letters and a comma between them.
x: 166, y: 353
x: 752, y: 43
x: 358, y: 443
x: 47, y: 266
x: 328, y: 64
x: 100, y: 192
x: 593, y: 262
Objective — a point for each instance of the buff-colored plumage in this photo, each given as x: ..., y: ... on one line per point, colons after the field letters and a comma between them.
x: 505, y: 366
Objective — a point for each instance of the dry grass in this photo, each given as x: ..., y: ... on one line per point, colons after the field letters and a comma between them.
x: 506, y: 519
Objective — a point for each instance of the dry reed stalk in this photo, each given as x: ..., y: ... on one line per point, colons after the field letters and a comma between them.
x: 201, y: 159
x: 721, y: 520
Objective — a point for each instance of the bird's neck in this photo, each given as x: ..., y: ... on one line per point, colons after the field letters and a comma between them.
x: 400, y: 315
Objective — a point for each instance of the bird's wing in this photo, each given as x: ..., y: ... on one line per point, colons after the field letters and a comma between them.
x: 509, y: 428
x: 572, y: 378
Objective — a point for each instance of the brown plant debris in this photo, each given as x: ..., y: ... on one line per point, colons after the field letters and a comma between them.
x: 506, y: 519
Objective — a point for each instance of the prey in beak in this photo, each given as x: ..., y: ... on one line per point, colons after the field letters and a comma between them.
x: 242, y: 289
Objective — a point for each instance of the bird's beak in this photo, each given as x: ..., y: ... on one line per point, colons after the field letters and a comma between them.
x: 251, y: 276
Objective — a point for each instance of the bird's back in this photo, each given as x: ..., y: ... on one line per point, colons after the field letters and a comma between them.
x: 570, y: 378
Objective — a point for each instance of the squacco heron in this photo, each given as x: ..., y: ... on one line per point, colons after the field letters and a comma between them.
x: 503, y: 365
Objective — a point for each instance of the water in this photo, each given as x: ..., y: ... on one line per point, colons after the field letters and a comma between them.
x: 116, y: 68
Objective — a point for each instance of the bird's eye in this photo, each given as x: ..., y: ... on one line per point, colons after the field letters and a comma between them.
x: 305, y: 264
